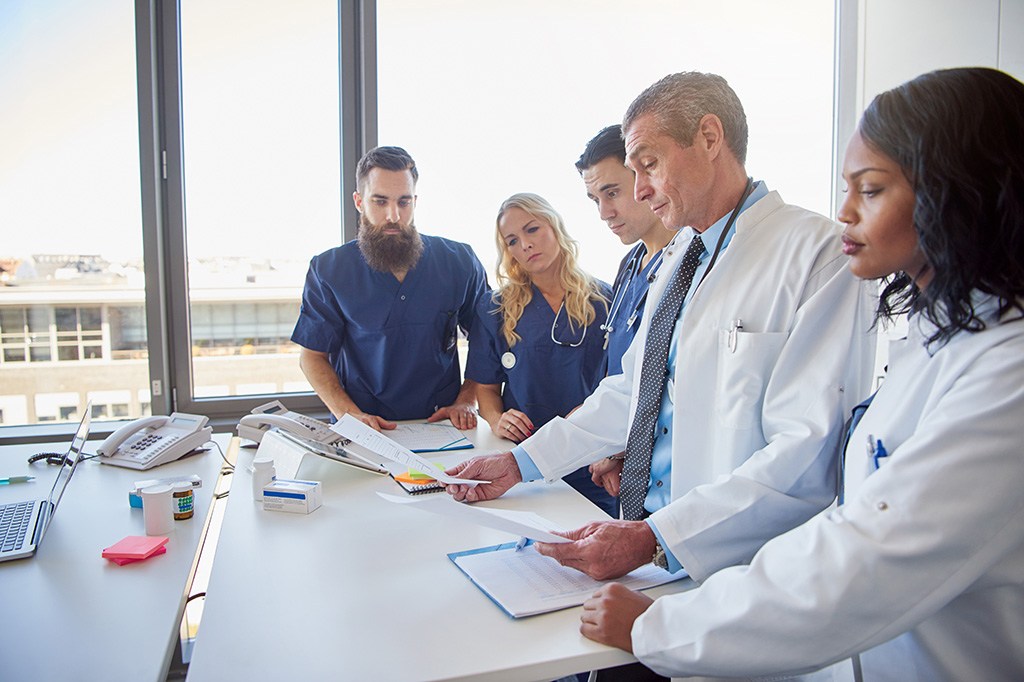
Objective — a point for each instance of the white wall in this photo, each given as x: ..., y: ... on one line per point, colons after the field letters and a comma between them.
x: 897, y: 40
x: 901, y: 39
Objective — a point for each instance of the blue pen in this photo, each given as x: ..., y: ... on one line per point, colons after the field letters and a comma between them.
x: 522, y: 543
x: 448, y: 445
x: 877, y: 450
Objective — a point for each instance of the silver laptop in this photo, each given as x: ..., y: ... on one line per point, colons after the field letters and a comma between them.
x: 23, y: 524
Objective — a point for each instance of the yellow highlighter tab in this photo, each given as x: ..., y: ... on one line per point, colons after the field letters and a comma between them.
x: 414, y: 476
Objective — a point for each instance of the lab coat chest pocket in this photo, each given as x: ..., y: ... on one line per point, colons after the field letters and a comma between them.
x: 745, y: 361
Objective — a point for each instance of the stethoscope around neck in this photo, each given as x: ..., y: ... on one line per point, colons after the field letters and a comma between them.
x: 608, y: 327
x: 728, y: 226
x: 632, y: 270
x: 509, y: 359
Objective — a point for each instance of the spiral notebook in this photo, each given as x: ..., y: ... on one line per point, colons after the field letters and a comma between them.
x: 417, y: 485
x: 428, y: 486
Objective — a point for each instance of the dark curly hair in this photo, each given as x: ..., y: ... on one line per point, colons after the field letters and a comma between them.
x: 958, y: 135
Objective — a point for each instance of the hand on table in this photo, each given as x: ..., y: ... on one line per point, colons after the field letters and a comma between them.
x: 608, y: 615
x: 373, y: 421
x: 604, y: 549
x: 462, y: 416
x: 513, y: 425
x: 501, y: 470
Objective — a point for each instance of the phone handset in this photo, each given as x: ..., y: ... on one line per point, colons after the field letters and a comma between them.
x: 114, y: 440
x: 152, y: 441
x: 275, y: 414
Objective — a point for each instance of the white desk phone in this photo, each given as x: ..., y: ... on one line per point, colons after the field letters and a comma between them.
x: 152, y: 441
x: 274, y: 413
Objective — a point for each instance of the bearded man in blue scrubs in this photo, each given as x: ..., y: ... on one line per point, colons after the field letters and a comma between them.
x: 380, y: 315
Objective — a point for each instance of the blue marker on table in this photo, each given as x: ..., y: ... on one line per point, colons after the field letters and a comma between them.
x: 454, y: 442
x: 16, y: 479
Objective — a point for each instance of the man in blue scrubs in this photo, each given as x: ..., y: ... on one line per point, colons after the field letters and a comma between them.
x: 380, y: 315
x: 609, y: 183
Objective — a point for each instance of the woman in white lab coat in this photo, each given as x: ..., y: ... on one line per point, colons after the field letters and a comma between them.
x: 919, y: 572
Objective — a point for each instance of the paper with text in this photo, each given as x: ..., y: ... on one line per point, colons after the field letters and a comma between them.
x: 374, y: 441
x: 526, y: 583
x: 430, y: 437
x: 525, y: 524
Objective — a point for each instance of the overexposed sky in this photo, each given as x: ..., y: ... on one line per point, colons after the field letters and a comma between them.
x: 490, y: 98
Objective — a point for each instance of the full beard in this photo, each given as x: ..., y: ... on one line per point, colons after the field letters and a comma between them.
x: 389, y: 252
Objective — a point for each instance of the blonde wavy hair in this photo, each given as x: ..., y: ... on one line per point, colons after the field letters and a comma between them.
x: 515, y: 290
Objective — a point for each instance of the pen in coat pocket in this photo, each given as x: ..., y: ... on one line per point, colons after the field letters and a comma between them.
x: 734, y: 330
x: 876, y: 450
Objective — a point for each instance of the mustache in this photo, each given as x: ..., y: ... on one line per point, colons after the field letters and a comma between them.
x: 390, y: 226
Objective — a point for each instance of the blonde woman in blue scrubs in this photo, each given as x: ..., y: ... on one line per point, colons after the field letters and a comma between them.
x: 537, y: 350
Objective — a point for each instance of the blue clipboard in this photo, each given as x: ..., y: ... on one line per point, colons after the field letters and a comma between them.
x: 482, y: 550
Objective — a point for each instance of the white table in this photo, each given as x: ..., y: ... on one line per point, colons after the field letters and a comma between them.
x: 362, y: 589
x: 69, y: 614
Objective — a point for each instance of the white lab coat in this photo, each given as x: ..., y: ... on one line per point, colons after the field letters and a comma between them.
x: 922, y: 568
x: 801, y: 362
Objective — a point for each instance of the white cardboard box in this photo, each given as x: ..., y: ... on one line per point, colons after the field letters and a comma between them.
x: 292, y: 496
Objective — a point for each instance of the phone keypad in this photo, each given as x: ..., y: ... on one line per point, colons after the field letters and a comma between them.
x: 142, y: 450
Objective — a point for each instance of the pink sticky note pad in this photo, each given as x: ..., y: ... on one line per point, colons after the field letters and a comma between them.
x: 136, y: 547
x: 122, y: 562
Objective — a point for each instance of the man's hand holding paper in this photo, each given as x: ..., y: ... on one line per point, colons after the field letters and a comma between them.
x: 499, y: 471
x: 604, y: 549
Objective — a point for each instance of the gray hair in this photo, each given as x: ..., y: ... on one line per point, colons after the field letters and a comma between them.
x: 679, y: 101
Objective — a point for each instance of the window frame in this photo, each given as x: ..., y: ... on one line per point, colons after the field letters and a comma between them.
x: 165, y: 247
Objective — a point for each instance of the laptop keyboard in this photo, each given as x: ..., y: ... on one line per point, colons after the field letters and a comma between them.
x: 14, y: 520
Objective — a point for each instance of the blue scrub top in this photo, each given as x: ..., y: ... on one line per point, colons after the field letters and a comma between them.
x: 627, y: 304
x: 393, y: 345
x: 548, y: 379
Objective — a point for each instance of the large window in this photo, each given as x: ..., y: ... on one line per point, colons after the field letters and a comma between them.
x: 246, y: 118
x: 261, y: 181
x: 69, y: 207
x: 497, y: 98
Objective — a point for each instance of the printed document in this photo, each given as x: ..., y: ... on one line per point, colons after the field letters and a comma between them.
x: 526, y: 583
x: 376, y: 442
x: 525, y: 524
x: 429, y: 437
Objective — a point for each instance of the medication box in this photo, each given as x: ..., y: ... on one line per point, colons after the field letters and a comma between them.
x: 292, y: 496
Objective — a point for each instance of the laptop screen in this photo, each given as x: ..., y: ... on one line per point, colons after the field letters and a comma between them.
x: 70, y: 461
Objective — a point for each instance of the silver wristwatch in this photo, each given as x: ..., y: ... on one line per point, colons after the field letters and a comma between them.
x: 660, y: 559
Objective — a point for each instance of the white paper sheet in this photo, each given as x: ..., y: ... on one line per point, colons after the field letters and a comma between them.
x: 521, y: 523
x: 526, y: 583
x: 429, y: 437
x: 374, y: 441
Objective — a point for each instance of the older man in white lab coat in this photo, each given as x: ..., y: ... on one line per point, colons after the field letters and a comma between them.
x: 770, y: 352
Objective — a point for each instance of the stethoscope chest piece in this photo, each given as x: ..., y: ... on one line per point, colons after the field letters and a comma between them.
x: 508, y: 360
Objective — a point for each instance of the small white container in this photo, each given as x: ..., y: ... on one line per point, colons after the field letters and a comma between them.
x: 263, y: 473
x: 158, y: 509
